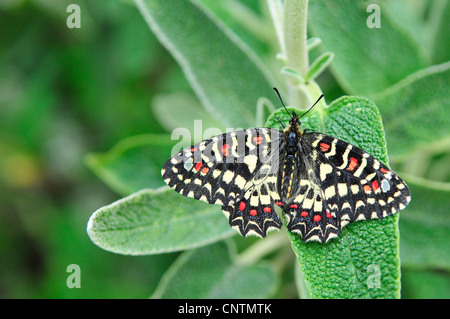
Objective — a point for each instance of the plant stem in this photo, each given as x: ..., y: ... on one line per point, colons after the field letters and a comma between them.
x: 295, y: 13
x: 295, y: 16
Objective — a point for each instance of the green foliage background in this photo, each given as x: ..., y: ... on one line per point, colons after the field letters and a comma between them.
x: 86, y: 116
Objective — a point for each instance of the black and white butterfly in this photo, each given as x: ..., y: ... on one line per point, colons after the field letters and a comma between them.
x: 320, y: 182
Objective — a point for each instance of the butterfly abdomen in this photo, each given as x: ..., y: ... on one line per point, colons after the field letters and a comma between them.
x: 287, y: 180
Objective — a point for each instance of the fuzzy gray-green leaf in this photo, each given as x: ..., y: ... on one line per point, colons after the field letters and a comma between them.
x: 318, y: 66
x: 134, y: 163
x: 416, y: 111
x: 425, y: 229
x: 225, y: 74
x: 210, y: 272
x: 156, y: 221
x: 367, y: 60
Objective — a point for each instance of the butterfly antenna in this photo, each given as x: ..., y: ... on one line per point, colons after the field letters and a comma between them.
x: 282, y: 125
x: 276, y: 90
x: 320, y: 97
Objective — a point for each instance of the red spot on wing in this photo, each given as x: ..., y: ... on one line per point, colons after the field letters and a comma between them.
x: 194, y: 149
x: 375, y: 185
x: 258, y: 140
x: 304, y: 214
x: 317, y: 218
x: 205, y: 170
x: 383, y: 170
x: 367, y: 188
x: 279, y: 203
x: 253, y: 212
x: 198, y: 165
x: 353, y: 163
x: 329, y: 215
x: 267, y: 210
x: 225, y: 149
x: 241, y: 206
x: 294, y: 206
x: 324, y: 147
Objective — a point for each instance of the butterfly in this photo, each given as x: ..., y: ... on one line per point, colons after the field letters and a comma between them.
x: 321, y: 183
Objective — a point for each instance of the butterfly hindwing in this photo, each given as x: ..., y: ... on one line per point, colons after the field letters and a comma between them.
x: 354, y: 184
x: 308, y: 216
x: 231, y: 170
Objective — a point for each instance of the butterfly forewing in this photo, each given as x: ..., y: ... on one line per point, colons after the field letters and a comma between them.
x: 236, y: 170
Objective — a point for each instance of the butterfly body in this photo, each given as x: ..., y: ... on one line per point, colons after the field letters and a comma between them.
x: 320, y: 182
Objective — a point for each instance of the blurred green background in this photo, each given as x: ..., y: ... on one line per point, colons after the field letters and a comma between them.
x: 65, y: 93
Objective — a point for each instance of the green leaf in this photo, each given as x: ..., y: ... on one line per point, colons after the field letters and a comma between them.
x: 297, y: 78
x: 275, y: 8
x: 425, y: 228
x: 264, y: 108
x: 423, y: 284
x: 210, y: 272
x: 441, y: 45
x: 416, y: 111
x: 366, y: 60
x: 243, y: 19
x: 226, y: 76
x: 318, y: 66
x: 156, y: 221
x: 313, y: 42
x: 134, y: 163
x: 342, y: 267
x: 181, y: 110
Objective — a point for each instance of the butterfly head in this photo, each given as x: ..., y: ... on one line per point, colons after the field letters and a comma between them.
x: 294, y: 125
x: 294, y: 122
